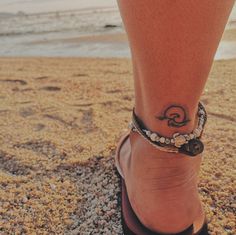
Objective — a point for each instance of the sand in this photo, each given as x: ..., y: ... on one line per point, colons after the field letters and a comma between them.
x: 230, y: 35
x: 100, y: 38
x: 60, y: 120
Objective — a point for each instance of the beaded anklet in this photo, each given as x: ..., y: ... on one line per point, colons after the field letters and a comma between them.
x: 189, y: 144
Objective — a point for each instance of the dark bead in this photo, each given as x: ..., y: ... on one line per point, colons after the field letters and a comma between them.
x: 192, y: 148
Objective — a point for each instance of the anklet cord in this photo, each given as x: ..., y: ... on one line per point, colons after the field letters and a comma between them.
x: 189, y: 144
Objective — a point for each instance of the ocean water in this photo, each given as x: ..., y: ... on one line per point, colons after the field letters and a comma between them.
x: 60, y: 28
x: 36, y: 6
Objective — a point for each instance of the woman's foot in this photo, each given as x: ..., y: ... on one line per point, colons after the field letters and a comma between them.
x: 162, y: 187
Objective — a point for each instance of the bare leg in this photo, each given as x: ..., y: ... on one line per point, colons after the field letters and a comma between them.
x: 173, y: 44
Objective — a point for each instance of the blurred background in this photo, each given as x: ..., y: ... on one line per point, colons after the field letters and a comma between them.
x: 88, y: 28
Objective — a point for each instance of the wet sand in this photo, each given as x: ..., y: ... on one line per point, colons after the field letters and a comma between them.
x: 229, y: 35
x: 60, y: 120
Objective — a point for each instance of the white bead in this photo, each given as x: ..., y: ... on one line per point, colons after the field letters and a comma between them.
x: 201, y: 112
x: 167, y: 141
x: 175, y: 135
x: 162, y: 140
x: 153, y: 136
x: 197, y: 132
x: 187, y: 137
x: 191, y: 136
x: 179, y: 141
x: 148, y: 133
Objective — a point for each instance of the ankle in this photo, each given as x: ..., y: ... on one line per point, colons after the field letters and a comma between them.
x: 168, y: 182
x: 144, y: 152
x: 170, y: 170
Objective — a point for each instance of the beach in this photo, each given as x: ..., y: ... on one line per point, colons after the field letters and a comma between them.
x: 66, y: 96
x: 60, y: 122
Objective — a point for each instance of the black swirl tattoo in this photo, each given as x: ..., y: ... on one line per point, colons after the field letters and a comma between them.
x: 176, y: 116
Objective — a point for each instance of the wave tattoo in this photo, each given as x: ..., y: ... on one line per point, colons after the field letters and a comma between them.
x: 176, y: 116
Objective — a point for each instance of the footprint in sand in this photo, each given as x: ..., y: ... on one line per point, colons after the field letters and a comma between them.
x: 41, y: 78
x: 43, y: 147
x: 39, y: 127
x: 50, y: 88
x: 81, y: 75
x: 10, y: 164
x: 21, y: 82
x: 26, y: 111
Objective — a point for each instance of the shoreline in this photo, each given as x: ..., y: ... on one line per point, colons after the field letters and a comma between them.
x: 112, y: 43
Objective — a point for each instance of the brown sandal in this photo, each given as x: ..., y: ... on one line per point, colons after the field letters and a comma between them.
x: 130, y: 222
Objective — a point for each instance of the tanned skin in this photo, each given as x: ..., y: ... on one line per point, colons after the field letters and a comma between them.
x: 173, y: 43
